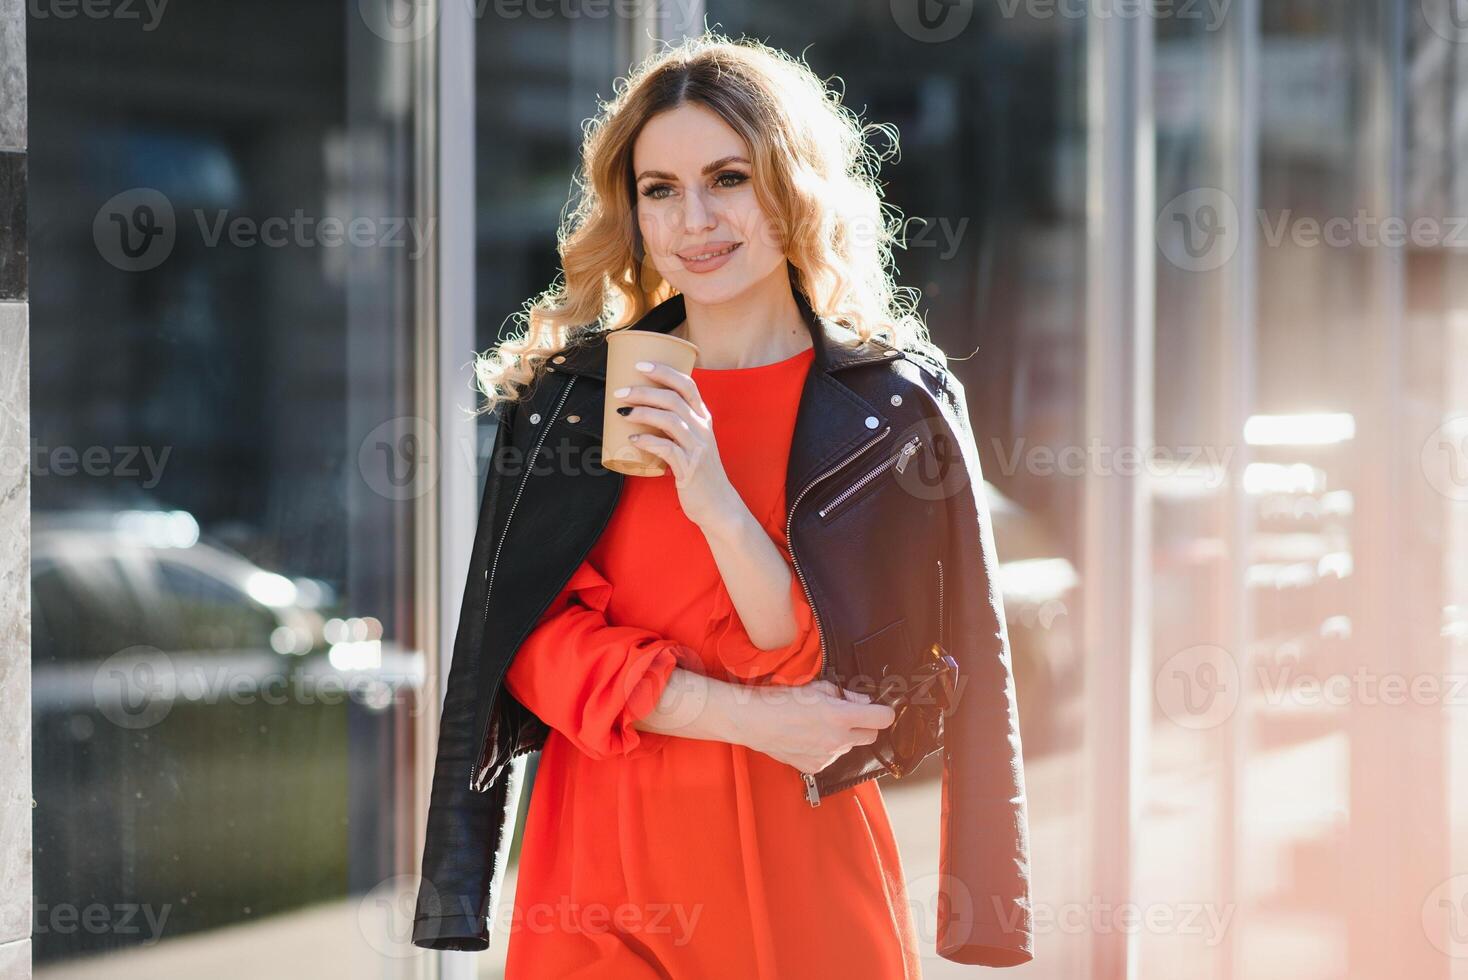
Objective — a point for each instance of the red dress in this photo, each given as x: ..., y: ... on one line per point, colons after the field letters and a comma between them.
x: 650, y: 855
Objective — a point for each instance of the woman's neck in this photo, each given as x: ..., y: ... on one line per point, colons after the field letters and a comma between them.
x: 762, y: 326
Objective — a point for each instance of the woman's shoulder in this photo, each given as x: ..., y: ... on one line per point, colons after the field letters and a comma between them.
x: 579, y: 342
x: 928, y: 357
x: 930, y: 387
x: 923, y: 368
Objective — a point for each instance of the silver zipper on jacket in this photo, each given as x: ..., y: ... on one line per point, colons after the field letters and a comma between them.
x: 811, y: 792
x: 899, y: 458
x: 478, y: 771
x: 940, y: 604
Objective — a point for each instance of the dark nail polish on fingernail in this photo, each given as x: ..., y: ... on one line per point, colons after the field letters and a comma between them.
x: 624, y: 410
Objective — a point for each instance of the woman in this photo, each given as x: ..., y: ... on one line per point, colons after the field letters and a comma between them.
x: 675, y: 678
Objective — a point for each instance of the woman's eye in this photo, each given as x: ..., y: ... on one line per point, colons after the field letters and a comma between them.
x: 725, y: 180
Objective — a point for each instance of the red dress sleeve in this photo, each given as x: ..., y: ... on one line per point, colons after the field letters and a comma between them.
x: 797, y: 662
x: 588, y: 679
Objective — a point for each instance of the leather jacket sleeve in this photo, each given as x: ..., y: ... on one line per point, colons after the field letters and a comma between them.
x: 470, y: 845
x: 984, y: 909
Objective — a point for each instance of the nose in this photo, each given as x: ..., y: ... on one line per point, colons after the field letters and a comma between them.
x: 698, y: 213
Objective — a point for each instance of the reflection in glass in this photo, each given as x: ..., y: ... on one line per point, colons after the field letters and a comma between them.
x: 223, y: 667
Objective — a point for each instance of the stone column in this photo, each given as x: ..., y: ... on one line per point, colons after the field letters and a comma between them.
x: 15, y: 502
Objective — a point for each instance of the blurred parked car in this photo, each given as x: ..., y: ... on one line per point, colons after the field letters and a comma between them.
x: 207, y: 716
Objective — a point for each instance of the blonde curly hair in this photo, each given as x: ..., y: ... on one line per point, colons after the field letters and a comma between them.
x: 815, y: 175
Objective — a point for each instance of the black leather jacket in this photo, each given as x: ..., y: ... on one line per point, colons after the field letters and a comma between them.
x: 892, y: 542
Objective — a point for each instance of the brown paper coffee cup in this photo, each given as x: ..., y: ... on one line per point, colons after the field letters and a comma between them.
x: 625, y: 348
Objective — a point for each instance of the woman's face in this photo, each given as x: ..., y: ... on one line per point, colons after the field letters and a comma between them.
x: 695, y: 199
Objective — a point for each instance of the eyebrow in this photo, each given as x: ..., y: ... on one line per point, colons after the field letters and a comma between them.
x: 708, y: 169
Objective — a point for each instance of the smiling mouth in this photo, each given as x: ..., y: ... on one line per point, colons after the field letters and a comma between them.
x: 704, y: 256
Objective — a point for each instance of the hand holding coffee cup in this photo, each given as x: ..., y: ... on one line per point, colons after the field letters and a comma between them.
x: 625, y: 349
x: 673, y: 425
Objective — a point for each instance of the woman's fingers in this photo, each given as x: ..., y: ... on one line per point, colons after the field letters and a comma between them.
x: 862, y: 715
x: 845, y: 694
x: 826, y: 687
x: 681, y: 383
x: 669, y: 423
x: 656, y: 396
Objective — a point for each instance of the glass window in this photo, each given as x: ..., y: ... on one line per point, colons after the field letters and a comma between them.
x: 1307, y: 611
x: 223, y: 257
x: 537, y: 79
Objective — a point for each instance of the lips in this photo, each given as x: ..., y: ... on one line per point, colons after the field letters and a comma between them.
x: 706, y: 252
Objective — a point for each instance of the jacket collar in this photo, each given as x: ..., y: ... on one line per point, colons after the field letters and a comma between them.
x: 836, y: 346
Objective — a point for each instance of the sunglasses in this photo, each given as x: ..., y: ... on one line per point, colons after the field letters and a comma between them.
x: 920, y: 699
